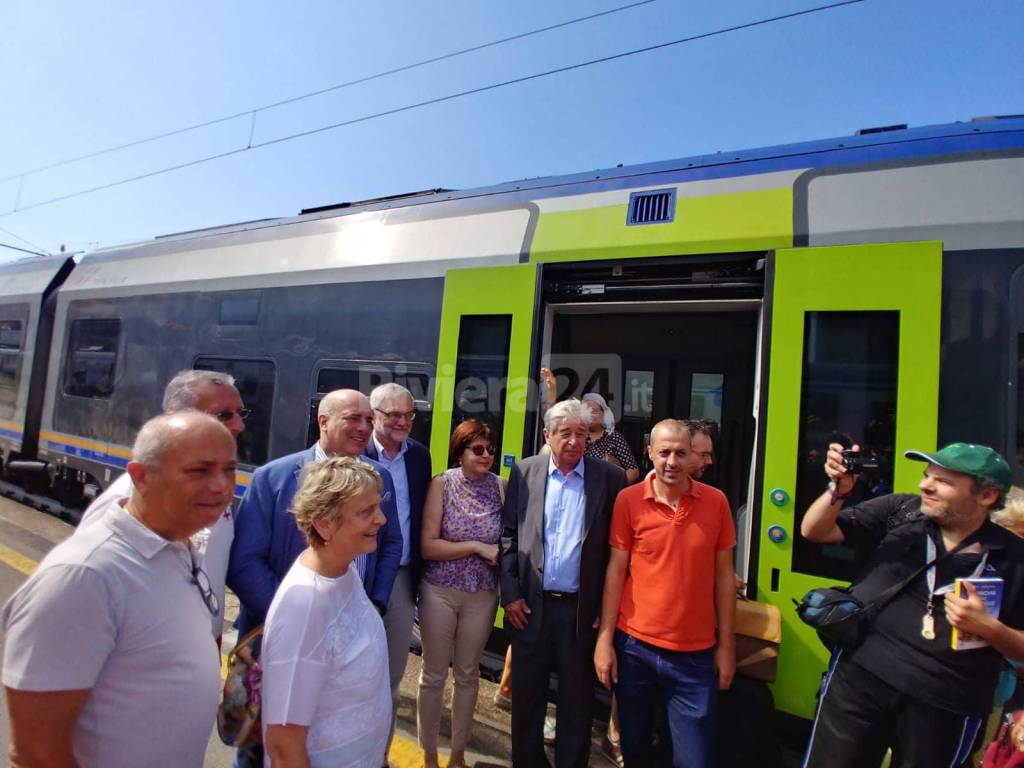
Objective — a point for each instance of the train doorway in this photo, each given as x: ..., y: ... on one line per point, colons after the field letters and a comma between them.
x: 657, y: 360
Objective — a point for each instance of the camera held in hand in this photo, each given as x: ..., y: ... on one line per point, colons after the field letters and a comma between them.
x: 855, y: 462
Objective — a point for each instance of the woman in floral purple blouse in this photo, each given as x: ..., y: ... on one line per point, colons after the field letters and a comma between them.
x: 459, y: 591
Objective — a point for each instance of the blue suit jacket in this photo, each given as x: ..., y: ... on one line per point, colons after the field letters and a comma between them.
x: 418, y: 473
x: 267, y: 541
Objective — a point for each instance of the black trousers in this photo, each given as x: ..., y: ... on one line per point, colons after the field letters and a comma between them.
x: 860, y: 716
x: 556, y: 648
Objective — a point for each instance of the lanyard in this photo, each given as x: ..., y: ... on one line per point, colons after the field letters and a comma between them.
x: 928, y: 620
x: 930, y: 574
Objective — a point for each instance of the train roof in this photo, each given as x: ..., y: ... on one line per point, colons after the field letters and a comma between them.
x: 28, y: 278
x: 444, y: 228
x: 885, y: 143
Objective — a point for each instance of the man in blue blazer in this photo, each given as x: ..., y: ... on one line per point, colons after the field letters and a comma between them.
x: 408, y: 461
x: 267, y: 541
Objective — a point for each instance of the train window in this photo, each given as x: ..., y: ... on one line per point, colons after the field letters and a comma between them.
x: 255, y: 382
x: 638, y: 399
x: 92, y: 357
x: 481, y: 369
x: 11, y: 343
x: 706, y: 396
x: 848, y: 395
x: 364, y: 375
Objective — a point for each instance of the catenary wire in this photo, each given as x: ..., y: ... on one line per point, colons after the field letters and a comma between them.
x: 16, y: 236
x: 23, y: 250
x: 438, y: 100
x: 291, y: 100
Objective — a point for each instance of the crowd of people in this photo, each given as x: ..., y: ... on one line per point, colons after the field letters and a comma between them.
x: 603, y: 576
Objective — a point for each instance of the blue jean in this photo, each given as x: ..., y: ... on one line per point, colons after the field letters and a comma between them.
x: 685, y: 680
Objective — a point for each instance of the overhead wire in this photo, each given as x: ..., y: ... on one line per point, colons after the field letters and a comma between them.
x: 319, y: 92
x: 16, y: 236
x: 438, y: 100
x: 23, y: 250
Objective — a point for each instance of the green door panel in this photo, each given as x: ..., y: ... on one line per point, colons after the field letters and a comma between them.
x: 485, y: 291
x: 905, y: 277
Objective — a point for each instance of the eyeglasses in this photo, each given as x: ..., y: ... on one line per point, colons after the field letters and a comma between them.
x: 397, y: 415
x: 479, y: 450
x: 202, y: 581
x: 226, y: 416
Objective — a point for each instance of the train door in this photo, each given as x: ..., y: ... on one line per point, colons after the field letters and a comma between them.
x: 483, y: 357
x: 853, y: 337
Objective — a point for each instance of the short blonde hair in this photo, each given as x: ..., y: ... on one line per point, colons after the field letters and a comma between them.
x: 324, y: 488
x: 1011, y: 515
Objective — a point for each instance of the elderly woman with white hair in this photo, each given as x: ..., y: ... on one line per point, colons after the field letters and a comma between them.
x: 326, y: 691
x: 603, y: 442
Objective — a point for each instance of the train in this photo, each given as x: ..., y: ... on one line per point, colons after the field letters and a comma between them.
x: 869, y: 287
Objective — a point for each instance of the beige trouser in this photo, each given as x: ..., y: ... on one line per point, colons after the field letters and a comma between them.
x: 454, y: 627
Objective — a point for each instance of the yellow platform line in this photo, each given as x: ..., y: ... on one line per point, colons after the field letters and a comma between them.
x: 405, y: 753
x: 17, y: 561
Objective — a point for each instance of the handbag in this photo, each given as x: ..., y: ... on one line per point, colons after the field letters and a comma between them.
x: 840, y: 618
x: 238, y: 716
x: 1007, y: 748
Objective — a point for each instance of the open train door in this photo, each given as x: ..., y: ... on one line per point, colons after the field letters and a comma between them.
x: 483, y: 356
x: 854, y: 355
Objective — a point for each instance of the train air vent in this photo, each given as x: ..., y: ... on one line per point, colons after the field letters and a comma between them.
x: 882, y: 129
x: 653, y: 207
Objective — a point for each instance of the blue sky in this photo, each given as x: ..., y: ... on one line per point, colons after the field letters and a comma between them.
x: 83, y: 76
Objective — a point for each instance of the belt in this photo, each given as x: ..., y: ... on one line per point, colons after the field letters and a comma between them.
x: 550, y: 595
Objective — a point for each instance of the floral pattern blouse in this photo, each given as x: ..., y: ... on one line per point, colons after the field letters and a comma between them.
x: 470, y: 511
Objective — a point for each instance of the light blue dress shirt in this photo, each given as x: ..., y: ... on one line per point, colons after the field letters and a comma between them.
x: 396, y: 467
x: 564, y: 512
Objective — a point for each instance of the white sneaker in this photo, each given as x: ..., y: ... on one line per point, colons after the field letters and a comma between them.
x: 549, y: 730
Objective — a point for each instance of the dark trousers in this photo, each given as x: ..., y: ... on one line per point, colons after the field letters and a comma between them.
x: 555, y: 648
x: 860, y: 716
x: 687, y: 683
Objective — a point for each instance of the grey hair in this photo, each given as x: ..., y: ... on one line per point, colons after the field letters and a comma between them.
x: 567, y: 410
x: 982, y: 484
x: 159, y: 434
x: 182, y: 392
x: 324, y: 488
x: 385, y: 391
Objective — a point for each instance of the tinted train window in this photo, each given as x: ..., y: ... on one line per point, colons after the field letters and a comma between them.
x: 481, y: 369
x: 11, y: 343
x: 364, y: 375
x: 255, y: 382
x: 92, y: 358
x: 848, y: 395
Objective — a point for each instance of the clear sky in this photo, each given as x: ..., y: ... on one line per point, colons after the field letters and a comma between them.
x: 78, y: 77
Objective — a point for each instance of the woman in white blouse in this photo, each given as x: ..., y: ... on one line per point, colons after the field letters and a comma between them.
x: 326, y: 695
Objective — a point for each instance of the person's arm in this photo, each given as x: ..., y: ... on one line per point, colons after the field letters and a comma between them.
x: 286, y: 745
x: 41, y: 723
x: 725, y: 615
x: 389, y: 545
x: 549, y: 384
x: 605, y: 663
x: 970, y: 614
x: 249, y: 575
x: 516, y: 610
x: 437, y: 548
x: 819, y: 523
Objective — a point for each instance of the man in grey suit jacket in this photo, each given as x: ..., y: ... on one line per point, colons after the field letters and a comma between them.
x: 554, y: 550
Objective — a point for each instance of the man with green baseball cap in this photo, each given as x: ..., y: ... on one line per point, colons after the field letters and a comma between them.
x: 904, y: 687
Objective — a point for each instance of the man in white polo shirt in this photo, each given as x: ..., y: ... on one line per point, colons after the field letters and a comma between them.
x: 142, y: 683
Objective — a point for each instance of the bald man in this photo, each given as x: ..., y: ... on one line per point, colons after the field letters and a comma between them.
x: 142, y: 684
x: 267, y: 541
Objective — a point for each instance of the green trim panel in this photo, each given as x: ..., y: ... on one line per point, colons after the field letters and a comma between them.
x: 906, y: 277
x: 485, y: 291
x: 726, y: 223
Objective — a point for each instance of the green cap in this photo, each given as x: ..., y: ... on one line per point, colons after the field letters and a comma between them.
x: 977, y: 460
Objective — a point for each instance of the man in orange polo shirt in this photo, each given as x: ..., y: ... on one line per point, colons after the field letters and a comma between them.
x: 669, y: 584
